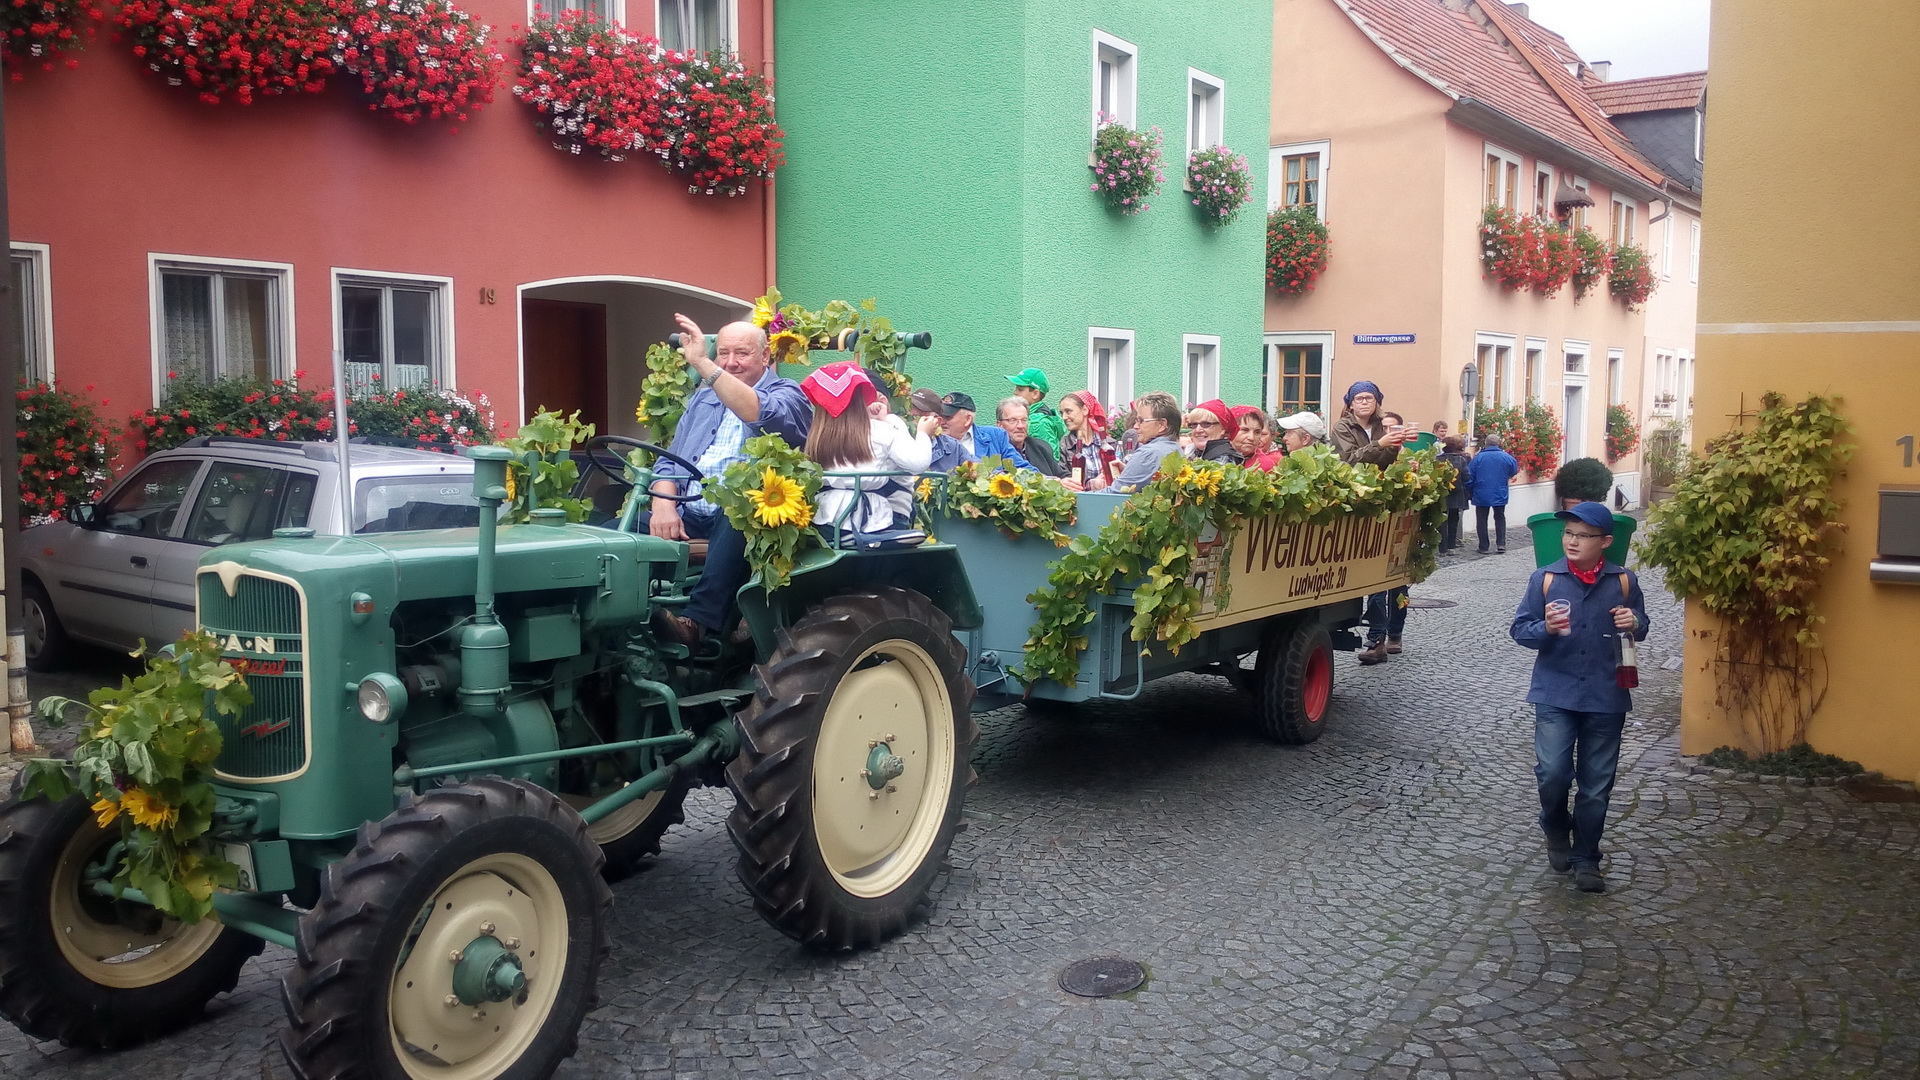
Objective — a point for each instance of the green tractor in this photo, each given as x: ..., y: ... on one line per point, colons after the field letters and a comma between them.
x: 457, y: 737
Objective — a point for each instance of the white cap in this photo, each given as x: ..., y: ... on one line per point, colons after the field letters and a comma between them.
x: 1307, y: 422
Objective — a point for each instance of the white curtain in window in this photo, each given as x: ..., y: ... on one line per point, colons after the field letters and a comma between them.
x: 248, y: 353
x: 187, y: 324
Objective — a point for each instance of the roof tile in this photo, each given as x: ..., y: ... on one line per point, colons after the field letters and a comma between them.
x: 1683, y: 91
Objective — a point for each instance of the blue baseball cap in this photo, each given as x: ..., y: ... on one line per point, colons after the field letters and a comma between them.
x: 1592, y: 513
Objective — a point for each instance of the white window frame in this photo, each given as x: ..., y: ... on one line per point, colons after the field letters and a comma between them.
x: 1665, y: 394
x: 617, y: 7
x: 442, y: 374
x: 1616, y: 377
x: 1190, y: 393
x: 1534, y: 355
x: 1540, y: 169
x: 1699, y: 135
x: 1624, y: 211
x: 1503, y: 196
x: 39, y: 310
x: 1666, y: 246
x: 729, y: 29
x: 1503, y: 393
x: 1123, y: 357
x: 1276, y: 176
x: 1693, y: 256
x: 1569, y: 349
x: 1127, y: 70
x: 1579, y: 219
x: 1215, y: 123
x: 1684, y: 368
x: 283, y: 337
x: 1271, y: 344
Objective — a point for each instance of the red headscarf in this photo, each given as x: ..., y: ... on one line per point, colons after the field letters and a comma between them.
x: 1096, y: 415
x: 1229, y: 423
x: 1240, y: 412
x: 835, y: 386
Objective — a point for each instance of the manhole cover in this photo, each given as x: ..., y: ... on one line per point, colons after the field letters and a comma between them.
x: 1102, y: 976
x: 1423, y: 602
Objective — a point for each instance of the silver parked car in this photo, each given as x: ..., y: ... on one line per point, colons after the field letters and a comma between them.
x: 121, y: 570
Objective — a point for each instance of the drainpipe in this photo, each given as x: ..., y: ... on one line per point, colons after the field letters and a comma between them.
x: 767, y: 234
x: 19, y: 707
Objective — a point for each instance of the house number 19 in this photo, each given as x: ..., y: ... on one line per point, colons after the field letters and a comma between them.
x: 1905, y: 442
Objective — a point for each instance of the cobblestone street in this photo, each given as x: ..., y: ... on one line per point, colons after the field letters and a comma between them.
x: 1377, y: 904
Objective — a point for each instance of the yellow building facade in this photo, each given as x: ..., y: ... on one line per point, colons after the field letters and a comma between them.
x: 1811, y: 285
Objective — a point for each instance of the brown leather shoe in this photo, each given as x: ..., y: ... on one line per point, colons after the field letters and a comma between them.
x: 1393, y: 646
x: 1374, y: 654
x: 676, y: 628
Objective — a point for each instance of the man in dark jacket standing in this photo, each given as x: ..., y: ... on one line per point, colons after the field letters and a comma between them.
x: 1573, y: 614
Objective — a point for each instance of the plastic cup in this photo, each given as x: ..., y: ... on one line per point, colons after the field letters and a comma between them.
x: 1564, y: 608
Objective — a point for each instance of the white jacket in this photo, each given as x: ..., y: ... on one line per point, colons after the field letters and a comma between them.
x: 896, y: 448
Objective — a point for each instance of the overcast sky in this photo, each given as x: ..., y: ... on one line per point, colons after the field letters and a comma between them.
x: 1641, y: 37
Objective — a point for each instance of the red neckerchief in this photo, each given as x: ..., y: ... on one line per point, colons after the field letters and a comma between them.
x: 1587, y: 576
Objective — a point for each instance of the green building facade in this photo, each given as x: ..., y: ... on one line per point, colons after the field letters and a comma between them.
x: 938, y: 161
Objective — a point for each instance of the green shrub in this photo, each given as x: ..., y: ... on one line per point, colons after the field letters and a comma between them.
x: 1584, y: 479
x: 1796, y: 760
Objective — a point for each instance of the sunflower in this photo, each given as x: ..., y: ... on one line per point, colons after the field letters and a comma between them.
x: 762, y: 313
x: 148, y: 809
x: 925, y: 489
x: 1003, y: 486
x: 105, y: 810
x: 511, y: 486
x: 779, y: 501
x: 788, y: 347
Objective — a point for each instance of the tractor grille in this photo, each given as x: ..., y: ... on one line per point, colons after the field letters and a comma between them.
x: 259, y: 629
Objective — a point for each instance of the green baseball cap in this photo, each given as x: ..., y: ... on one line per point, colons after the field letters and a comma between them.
x: 1033, y: 377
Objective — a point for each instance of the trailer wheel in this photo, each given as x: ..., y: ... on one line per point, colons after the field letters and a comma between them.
x: 459, y: 941
x: 1294, y: 682
x: 853, y: 768
x: 86, y: 969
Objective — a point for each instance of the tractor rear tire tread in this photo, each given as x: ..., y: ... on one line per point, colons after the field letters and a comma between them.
x: 1280, y: 681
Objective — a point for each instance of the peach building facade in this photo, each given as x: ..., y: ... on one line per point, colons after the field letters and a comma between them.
x: 1414, y: 115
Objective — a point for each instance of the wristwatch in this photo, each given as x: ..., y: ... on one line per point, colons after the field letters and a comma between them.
x: 709, y: 380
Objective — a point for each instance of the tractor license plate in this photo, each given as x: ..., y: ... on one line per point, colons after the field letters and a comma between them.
x: 241, y: 855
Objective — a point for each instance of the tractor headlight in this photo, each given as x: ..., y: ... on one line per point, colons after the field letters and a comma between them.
x: 382, y: 698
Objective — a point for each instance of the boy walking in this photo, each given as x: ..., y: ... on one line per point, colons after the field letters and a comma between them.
x: 1573, y: 613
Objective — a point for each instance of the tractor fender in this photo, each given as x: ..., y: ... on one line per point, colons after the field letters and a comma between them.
x: 932, y: 570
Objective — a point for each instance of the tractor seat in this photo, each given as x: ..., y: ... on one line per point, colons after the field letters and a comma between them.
x: 696, y: 553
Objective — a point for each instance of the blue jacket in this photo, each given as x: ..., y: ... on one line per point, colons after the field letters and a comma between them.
x: 989, y: 441
x: 1143, y: 462
x: 1489, y: 474
x: 1576, y: 672
x: 947, y: 453
x: 784, y: 411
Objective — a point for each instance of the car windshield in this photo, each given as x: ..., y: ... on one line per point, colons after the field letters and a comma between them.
x: 397, y: 503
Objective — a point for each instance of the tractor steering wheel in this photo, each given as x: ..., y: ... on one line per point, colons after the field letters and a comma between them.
x: 614, y: 466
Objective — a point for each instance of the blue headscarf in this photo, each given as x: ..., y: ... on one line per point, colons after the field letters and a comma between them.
x: 1364, y: 387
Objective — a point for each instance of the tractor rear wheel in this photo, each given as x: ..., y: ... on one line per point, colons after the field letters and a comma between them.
x: 460, y: 940
x: 86, y: 969
x: 853, y: 768
x: 1293, y: 688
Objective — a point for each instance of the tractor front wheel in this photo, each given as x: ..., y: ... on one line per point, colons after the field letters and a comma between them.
x: 459, y: 941
x: 853, y: 768
x: 1293, y: 682
x: 77, y: 965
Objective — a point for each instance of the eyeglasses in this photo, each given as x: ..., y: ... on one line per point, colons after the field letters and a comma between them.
x: 1588, y: 535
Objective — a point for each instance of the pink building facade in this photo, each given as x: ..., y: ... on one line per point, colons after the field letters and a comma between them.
x: 153, y: 232
x: 1413, y: 116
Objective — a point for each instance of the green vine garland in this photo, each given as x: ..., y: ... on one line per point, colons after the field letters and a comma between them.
x: 1748, y: 534
x: 769, y: 496
x: 1016, y: 501
x: 542, y: 473
x: 1152, y: 540
x: 664, y: 392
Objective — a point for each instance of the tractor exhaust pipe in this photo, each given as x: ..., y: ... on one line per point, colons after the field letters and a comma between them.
x: 483, y: 641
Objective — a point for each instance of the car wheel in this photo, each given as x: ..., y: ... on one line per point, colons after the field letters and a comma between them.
x: 47, y: 643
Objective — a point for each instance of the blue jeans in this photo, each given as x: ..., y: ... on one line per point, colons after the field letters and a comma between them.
x: 1573, y: 746
x: 1386, y: 615
x: 711, y: 601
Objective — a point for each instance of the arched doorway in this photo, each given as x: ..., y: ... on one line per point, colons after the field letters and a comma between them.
x: 583, y: 341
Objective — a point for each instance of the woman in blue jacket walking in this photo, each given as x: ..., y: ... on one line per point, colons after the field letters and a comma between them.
x: 1490, y: 476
